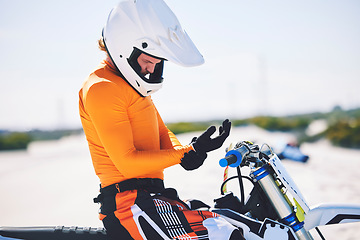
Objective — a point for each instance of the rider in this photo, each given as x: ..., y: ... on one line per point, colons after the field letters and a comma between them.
x: 130, y: 145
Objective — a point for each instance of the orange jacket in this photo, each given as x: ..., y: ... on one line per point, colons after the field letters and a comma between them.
x: 126, y: 135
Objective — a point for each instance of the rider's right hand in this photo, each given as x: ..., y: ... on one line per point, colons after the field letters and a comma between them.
x: 193, y: 160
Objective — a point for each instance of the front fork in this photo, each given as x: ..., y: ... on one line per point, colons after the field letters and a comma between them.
x: 284, y: 209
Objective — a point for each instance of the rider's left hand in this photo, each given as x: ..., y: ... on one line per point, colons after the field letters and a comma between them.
x: 204, y: 143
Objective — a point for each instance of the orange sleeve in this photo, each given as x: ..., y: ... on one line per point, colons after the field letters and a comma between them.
x: 168, y: 139
x: 116, y: 122
x: 175, y: 142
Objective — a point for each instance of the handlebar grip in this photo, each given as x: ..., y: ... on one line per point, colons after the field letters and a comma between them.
x: 233, y: 158
x: 228, y: 160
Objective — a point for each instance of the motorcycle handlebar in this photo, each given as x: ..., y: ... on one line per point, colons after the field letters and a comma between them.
x: 233, y: 158
x: 228, y: 160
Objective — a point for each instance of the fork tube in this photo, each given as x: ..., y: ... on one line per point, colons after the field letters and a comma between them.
x: 276, y: 197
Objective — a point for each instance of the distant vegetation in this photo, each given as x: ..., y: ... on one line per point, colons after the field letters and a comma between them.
x: 20, y: 140
x: 343, y: 126
x: 182, y: 127
x: 277, y: 123
x: 14, y: 140
x: 345, y: 133
x: 343, y: 129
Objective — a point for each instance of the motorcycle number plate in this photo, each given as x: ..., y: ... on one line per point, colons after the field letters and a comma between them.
x: 288, y: 182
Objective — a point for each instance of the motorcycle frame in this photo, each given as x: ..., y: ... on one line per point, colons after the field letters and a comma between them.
x: 271, y: 178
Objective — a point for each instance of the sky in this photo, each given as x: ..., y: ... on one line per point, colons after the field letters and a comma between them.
x: 261, y: 58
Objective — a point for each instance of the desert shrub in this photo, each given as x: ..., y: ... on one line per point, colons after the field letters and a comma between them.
x: 14, y: 140
x: 183, y: 127
x: 345, y: 133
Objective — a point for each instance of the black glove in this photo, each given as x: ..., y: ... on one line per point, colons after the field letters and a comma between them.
x: 193, y: 160
x: 206, y: 144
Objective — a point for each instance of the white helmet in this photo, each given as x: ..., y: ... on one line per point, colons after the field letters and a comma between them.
x: 150, y: 27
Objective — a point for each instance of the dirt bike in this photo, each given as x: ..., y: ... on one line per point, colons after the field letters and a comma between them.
x: 274, y: 208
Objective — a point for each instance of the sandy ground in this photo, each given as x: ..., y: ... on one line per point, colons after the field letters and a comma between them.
x: 53, y: 183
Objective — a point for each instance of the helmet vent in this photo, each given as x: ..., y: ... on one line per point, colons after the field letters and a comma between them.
x: 144, y: 45
x: 174, y: 34
x: 137, y: 83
